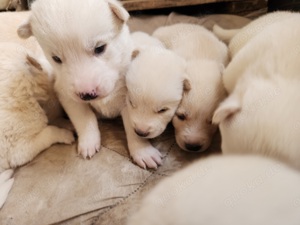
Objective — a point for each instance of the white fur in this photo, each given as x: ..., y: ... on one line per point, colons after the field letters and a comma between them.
x: 71, y: 30
x: 262, y: 113
x: 155, y: 82
x: 238, y: 38
x: 224, y: 190
x: 6, y: 182
x: 206, y: 57
x: 24, y: 125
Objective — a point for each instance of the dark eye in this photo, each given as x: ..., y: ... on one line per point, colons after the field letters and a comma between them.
x: 209, y: 122
x: 163, y: 110
x: 181, y: 117
x: 99, y: 50
x: 130, y: 102
x: 57, y: 59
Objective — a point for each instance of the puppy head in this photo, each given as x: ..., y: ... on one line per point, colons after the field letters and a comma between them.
x: 261, y: 116
x: 87, y: 43
x: 24, y: 73
x: 193, y: 120
x: 155, y: 86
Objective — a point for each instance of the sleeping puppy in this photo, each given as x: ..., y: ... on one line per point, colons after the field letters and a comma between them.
x: 155, y: 83
x: 262, y: 113
x: 224, y: 190
x: 24, y: 125
x: 238, y: 38
x: 89, y: 46
x: 206, y: 57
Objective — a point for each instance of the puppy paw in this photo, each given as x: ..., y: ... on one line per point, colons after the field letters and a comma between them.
x: 6, y: 183
x: 148, y: 157
x: 87, y: 147
x: 65, y: 136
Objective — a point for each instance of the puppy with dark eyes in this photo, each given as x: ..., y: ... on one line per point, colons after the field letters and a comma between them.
x: 155, y: 83
x: 89, y: 47
x: 206, y: 57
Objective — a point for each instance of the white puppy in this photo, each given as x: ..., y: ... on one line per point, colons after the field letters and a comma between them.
x: 89, y: 46
x: 262, y: 113
x: 206, y: 57
x: 224, y: 190
x: 238, y: 38
x: 155, y: 83
x: 24, y: 130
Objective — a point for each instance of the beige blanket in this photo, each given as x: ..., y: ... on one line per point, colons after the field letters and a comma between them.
x: 59, y: 187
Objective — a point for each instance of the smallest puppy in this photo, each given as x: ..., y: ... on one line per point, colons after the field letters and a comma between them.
x: 24, y: 84
x: 155, y: 83
x: 206, y: 57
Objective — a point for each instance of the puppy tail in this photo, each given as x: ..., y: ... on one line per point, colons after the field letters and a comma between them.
x: 6, y: 183
x: 224, y: 34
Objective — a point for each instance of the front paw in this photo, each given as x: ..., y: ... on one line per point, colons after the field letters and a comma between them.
x: 66, y: 136
x: 147, y: 157
x: 88, y: 146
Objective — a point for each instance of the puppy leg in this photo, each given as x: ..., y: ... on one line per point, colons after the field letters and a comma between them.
x: 48, y: 136
x: 141, y: 150
x: 6, y: 183
x: 86, y: 126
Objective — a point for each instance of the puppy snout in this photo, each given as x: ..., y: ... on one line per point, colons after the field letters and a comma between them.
x: 193, y: 147
x: 88, y: 96
x: 141, y: 133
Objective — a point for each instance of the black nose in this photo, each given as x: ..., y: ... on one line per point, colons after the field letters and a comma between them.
x: 193, y: 147
x: 88, y: 96
x: 141, y: 133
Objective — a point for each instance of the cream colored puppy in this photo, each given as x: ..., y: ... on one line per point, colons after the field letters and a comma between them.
x: 245, y: 35
x: 24, y: 125
x: 206, y: 57
x: 224, y: 190
x: 238, y: 38
x: 89, y: 46
x: 262, y: 113
x: 155, y: 83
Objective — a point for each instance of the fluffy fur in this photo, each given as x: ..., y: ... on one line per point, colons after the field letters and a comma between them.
x: 6, y: 182
x: 261, y: 114
x: 89, y: 46
x: 155, y: 82
x: 224, y: 190
x: 24, y: 125
x: 238, y: 38
x: 206, y: 57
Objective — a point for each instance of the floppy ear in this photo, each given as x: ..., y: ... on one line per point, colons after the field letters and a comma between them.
x: 227, y: 108
x: 186, y: 85
x: 34, y: 66
x: 134, y: 54
x: 118, y: 10
x: 24, y: 30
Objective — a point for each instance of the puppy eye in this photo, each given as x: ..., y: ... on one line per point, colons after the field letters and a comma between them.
x: 130, y: 102
x: 181, y: 117
x: 99, y: 50
x: 209, y: 122
x: 163, y: 110
x: 57, y: 59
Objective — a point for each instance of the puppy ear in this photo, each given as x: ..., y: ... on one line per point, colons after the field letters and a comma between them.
x: 118, y: 10
x: 186, y: 86
x: 227, y: 108
x: 134, y: 54
x: 24, y: 30
x: 34, y: 65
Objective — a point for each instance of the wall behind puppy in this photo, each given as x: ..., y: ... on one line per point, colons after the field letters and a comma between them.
x: 17, y: 5
x: 293, y: 5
